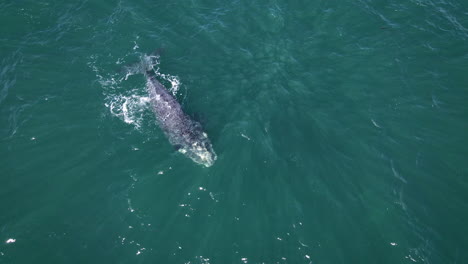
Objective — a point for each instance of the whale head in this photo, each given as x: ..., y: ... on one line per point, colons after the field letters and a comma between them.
x: 198, y: 148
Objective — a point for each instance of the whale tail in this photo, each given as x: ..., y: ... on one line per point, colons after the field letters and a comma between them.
x: 145, y: 65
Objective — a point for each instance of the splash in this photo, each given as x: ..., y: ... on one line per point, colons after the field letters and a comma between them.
x: 129, y: 104
x: 130, y: 109
x: 173, y: 80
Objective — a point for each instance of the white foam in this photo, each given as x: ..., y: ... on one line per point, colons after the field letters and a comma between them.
x: 130, y: 109
x: 302, y: 244
x: 129, y: 105
x: 375, y: 123
x: 246, y: 137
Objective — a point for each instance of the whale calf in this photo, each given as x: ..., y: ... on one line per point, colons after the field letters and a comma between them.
x: 184, y: 133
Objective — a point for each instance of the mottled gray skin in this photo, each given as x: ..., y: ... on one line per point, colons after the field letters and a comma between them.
x: 183, y: 132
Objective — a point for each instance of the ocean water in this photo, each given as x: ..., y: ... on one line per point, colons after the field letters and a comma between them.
x: 341, y: 129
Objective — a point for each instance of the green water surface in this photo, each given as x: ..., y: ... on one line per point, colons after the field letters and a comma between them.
x: 340, y: 127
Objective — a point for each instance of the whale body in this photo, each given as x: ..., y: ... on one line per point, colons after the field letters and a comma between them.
x: 185, y: 134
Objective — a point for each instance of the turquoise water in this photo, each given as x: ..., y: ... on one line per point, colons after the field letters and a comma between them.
x: 340, y: 128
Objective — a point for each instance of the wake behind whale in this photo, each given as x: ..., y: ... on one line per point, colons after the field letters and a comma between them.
x: 184, y: 133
